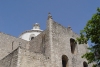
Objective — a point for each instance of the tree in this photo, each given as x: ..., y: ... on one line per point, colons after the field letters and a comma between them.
x: 91, y: 32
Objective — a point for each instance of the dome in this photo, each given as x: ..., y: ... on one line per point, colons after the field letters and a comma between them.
x: 30, y: 34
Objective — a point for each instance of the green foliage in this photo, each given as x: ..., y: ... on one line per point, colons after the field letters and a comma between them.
x: 91, y: 32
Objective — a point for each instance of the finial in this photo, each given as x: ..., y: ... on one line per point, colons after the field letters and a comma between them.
x: 49, y: 15
x: 69, y: 27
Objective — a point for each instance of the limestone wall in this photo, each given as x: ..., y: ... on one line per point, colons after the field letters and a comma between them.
x: 10, y: 60
x: 54, y: 42
x: 61, y: 46
x: 31, y: 59
x: 40, y: 44
x: 9, y: 43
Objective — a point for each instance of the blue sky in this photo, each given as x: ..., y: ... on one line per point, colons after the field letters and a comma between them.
x: 17, y: 16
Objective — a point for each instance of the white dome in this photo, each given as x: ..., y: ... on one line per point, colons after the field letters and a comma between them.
x: 30, y: 34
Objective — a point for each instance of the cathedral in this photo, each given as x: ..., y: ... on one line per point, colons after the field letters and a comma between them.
x: 53, y: 47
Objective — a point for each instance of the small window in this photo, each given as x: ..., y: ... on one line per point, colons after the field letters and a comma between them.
x: 85, y: 64
x: 32, y: 38
x: 73, y: 45
x: 64, y: 61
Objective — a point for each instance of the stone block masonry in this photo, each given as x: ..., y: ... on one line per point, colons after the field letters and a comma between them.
x: 54, y: 47
x: 9, y: 43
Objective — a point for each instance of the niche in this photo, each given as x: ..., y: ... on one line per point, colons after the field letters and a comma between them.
x: 73, y: 45
x: 64, y: 61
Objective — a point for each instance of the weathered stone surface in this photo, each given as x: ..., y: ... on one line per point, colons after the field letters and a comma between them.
x: 54, y: 47
x: 9, y: 43
x: 10, y: 60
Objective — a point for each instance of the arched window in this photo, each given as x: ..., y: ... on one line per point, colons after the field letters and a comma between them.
x: 85, y: 64
x: 73, y: 45
x: 64, y: 61
x: 32, y: 38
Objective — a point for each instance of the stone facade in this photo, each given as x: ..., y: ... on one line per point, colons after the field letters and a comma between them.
x: 54, y: 47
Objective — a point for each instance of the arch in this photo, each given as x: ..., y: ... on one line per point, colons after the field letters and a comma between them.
x: 31, y: 37
x: 64, y: 61
x: 73, y: 45
x: 85, y: 64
